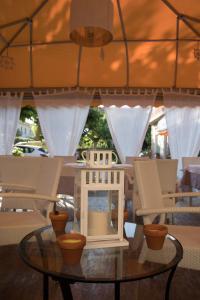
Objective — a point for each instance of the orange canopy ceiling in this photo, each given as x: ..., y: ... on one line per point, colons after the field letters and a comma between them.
x: 155, y: 49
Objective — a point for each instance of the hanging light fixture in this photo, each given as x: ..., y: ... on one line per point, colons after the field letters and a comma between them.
x: 91, y: 22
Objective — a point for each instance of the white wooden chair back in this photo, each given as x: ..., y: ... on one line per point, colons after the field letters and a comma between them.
x: 130, y: 185
x: 14, y: 224
x: 22, y: 171
x: 50, y: 170
x: 17, y: 170
x: 148, y: 183
x: 67, y: 178
x: 167, y: 170
x: 40, y: 173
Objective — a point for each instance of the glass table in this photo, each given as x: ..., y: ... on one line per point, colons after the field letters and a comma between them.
x: 41, y: 252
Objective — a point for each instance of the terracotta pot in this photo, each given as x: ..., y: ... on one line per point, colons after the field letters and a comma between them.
x: 155, y: 235
x: 58, y: 221
x: 71, y: 245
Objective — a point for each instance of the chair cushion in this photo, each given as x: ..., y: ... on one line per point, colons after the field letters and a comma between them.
x: 20, y: 219
x: 189, y: 237
x: 14, y: 226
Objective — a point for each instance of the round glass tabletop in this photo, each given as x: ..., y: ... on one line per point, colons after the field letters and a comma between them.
x: 40, y: 251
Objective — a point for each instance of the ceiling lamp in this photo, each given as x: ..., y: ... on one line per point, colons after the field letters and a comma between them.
x: 91, y: 22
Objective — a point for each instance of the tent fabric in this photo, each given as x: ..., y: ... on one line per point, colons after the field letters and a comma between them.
x: 184, y: 133
x: 9, y: 117
x: 62, y: 127
x: 128, y: 127
x: 131, y: 100
x: 173, y: 99
x: 153, y: 46
x: 64, y: 99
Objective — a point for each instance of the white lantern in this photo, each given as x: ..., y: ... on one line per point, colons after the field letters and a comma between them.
x: 91, y: 22
x: 99, y: 158
x: 99, y: 206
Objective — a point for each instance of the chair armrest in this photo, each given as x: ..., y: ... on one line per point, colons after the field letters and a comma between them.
x: 17, y: 187
x: 151, y: 211
x: 29, y: 196
x: 184, y: 194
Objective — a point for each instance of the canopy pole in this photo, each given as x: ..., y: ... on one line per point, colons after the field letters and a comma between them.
x: 3, y: 39
x: 182, y: 17
x: 27, y: 20
x: 35, y: 44
x: 125, y: 42
x: 31, y: 52
x: 177, y: 51
x: 24, y: 20
x: 13, y: 38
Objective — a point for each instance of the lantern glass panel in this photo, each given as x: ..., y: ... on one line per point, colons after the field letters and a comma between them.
x: 102, y: 212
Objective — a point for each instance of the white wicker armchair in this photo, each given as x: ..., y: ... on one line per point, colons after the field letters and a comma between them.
x: 152, y: 205
x: 25, y: 211
x: 14, y: 225
x: 167, y: 170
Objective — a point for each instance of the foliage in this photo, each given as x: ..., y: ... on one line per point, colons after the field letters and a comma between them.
x: 17, y: 152
x: 147, y: 140
x: 18, y: 133
x: 146, y: 148
x: 96, y: 133
x: 29, y: 112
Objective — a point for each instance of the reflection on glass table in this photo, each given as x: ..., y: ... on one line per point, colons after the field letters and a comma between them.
x: 114, y: 265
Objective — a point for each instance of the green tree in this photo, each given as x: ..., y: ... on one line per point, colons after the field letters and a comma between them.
x: 96, y: 132
x: 146, y: 148
x: 29, y: 112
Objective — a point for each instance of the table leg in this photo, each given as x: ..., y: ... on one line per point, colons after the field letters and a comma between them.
x: 66, y: 290
x: 117, y: 290
x: 45, y: 287
x: 171, y: 275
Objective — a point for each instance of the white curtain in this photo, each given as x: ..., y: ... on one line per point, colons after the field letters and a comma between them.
x: 10, y: 108
x: 62, y: 120
x: 183, y: 124
x: 128, y: 125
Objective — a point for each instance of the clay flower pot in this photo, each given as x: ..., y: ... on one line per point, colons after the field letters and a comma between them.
x: 58, y: 220
x: 155, y: 235
x: 71, y: 245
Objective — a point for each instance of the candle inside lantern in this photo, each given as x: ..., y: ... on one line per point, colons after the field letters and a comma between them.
x: 98, y: 222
